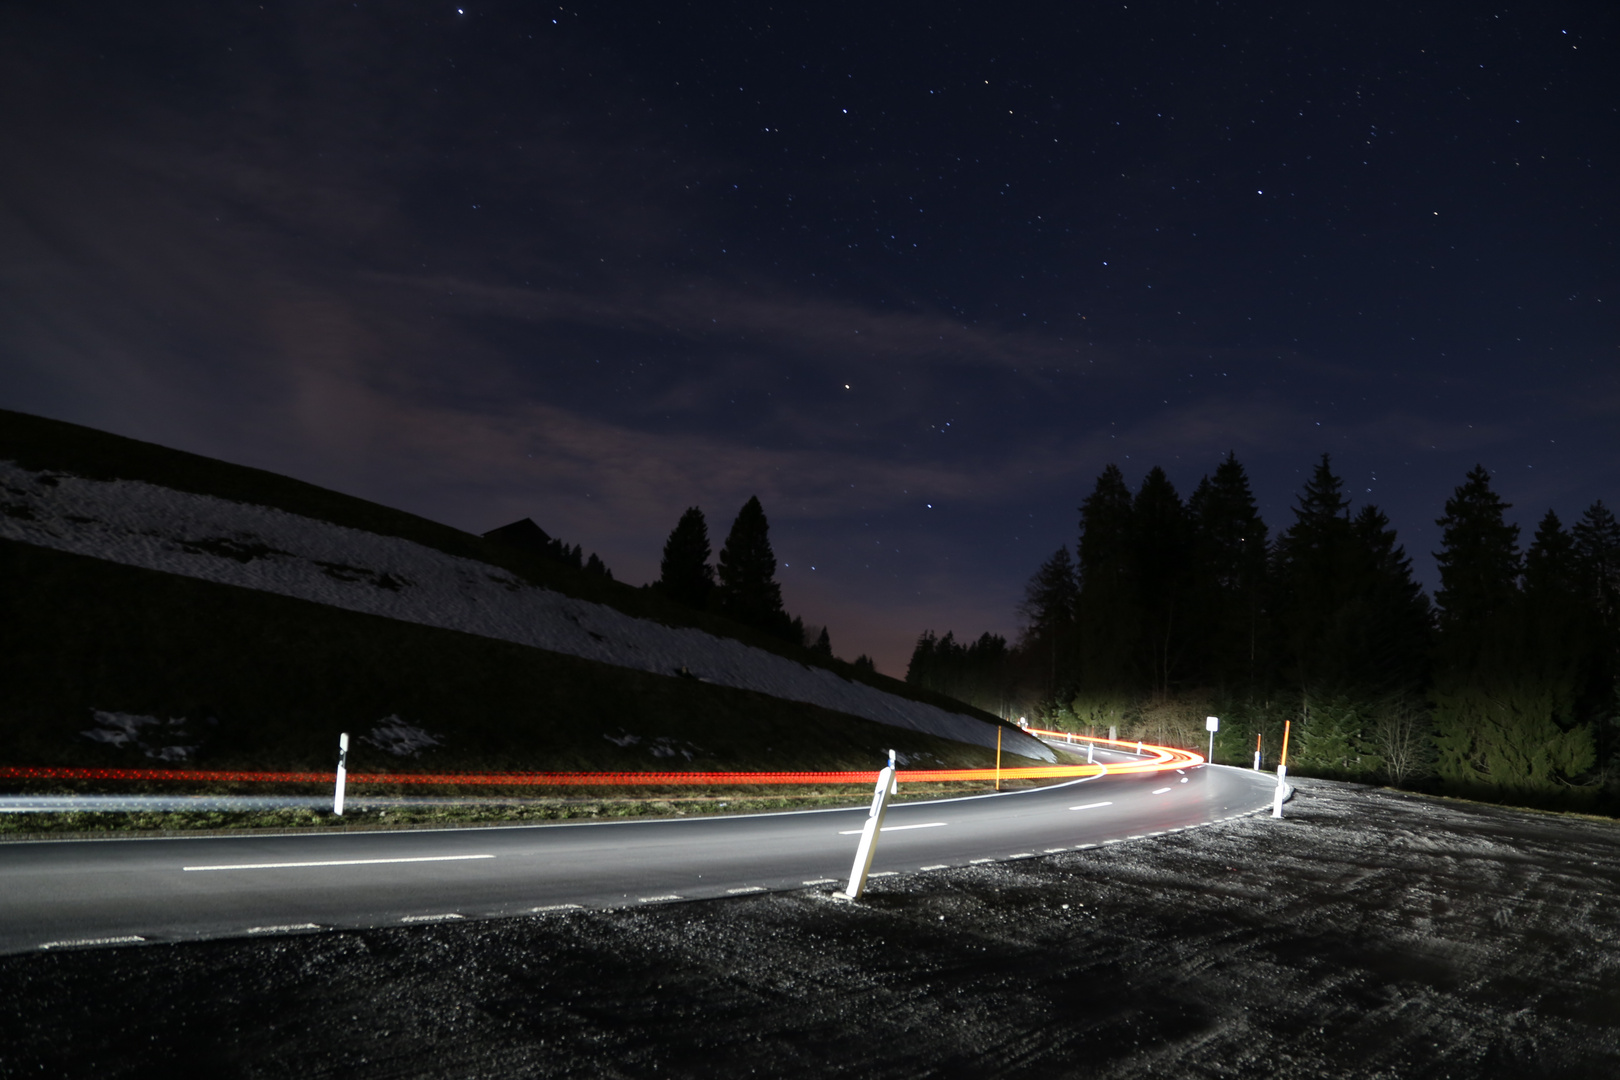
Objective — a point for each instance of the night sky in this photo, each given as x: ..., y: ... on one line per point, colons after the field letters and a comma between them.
x: 913, y: 274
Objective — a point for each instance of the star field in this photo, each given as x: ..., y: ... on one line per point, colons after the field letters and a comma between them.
x: 912, y: 273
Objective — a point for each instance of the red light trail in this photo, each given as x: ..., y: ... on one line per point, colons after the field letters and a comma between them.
x: 1162, y: 758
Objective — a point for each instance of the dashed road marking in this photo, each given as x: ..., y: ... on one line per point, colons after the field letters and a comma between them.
x: 336, y: 862
x: 977, y: 862
x: 659, y: 899
x: 892, y: 828
x: 291, y: 928
x: 882, y: 873
x: 746, y: 889
x: 1090, y: 805
x: 820, y: 881
x: 89, y: 942
x: 556, y: 907
x: 1023, y: 855
x: 1160, y: 791
x: 448, y: 916
x: 941, y: 866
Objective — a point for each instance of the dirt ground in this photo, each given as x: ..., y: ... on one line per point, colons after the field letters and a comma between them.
x: 1370, y: 934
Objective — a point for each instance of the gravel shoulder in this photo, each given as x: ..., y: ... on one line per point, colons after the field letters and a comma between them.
x: 1369, y: 934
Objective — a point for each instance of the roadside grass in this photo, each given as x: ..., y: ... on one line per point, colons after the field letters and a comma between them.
x: 44, y: 444
x: 472, y: 812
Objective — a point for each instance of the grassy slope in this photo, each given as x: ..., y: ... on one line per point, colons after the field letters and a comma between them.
x: 280, y: 677
x: 283, y: 676
x: 42, y: 444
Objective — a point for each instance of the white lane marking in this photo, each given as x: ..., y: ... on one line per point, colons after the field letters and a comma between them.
x: 882, y: 873
x: 289, y: 929
x: 1083, y: 847
x: 659, y: 899
x: 1111, y: 841
x: 941, y: 866
x: 978, y: 862
x: 1055, y: 850
x: 746, y: 889
x: 1184, y: 779
x: 1090, y: 805
x: 1160, y: 791
x: 1160, y: 833
x: 893, y: 828
x: 821, y: 881
x: 1023, y: 855
x: 448, y: 916
x: 556, y: 907
x: 336, y: 862
x: 129, y: 939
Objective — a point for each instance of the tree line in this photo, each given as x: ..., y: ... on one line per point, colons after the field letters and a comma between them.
x: 1503, y: 684
x: 741, y: 583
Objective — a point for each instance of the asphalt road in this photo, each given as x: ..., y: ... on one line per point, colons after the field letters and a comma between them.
x: 78, y: 894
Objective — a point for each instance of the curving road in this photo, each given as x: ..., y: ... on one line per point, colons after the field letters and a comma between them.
x: 67, y: 894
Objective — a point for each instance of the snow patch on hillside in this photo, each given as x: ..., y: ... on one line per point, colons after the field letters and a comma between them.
x: 258, y: 547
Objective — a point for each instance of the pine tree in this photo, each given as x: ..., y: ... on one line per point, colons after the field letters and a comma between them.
x: 1313, y: 563
x: 1551, y: 566
x: 823, y: 644
x: 1507, y: 692
x: 1229, y: 538
x: 1048, y: 642
x: 748, y: 591
x: 1161, y: 553
x: 1108, y: 620
x: 1597, y: 554
x: 1478, y: 557
x: 685, y: 573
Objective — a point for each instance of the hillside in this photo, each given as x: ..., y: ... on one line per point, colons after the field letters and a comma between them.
x: 160, y: 604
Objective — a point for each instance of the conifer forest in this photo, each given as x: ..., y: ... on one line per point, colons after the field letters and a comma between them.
x: 1501, y: 686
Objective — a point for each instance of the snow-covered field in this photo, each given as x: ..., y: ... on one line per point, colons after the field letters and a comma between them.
x: 1369, y: 934
x: 258, y: 547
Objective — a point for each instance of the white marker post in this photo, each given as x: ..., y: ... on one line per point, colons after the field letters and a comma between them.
x: 864, y: 851
x: 1282, y: 775
x: 1090, y: 747
x: 1212, y: 724
x: 342, y: 775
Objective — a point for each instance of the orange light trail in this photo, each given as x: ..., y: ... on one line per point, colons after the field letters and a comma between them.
x: 1161, y: 758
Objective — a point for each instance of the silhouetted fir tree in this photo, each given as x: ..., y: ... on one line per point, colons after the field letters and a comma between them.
x: 1563, y: 625
x: 1108, y: 619
x: 1047, y: 644
x: 1353, y: 624
x: 748, y: 591
x: 823, y: 644
x: 1505, y: 697
x: 594, y: 565
x: 1597, y: 554
x: 1394, y: 619
x: 1551, y: 568
x: 1312, y: 565
x: 1596, y: 543
x: 1162, y: 557
x: 1230, y: 543
x: 1478, y: 559
x: 974, y: 673
x: 684, y: 572
x: 864, y: 662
